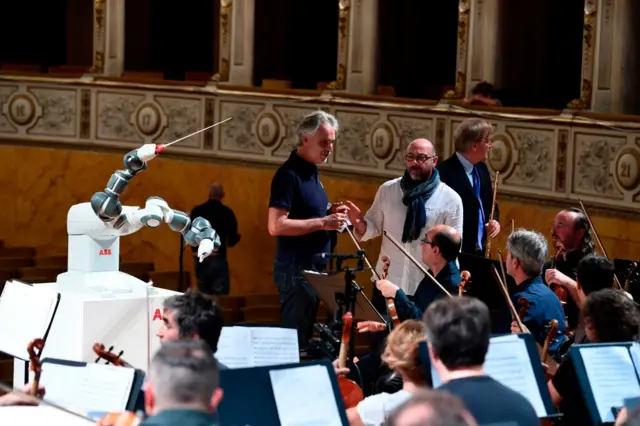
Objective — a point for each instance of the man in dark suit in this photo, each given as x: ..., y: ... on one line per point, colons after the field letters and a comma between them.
x: 466, y: 172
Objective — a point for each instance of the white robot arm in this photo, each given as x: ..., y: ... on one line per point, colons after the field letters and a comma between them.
x: 125, y: 220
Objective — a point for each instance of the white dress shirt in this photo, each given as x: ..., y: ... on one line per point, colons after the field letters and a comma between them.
x: 388, y: 213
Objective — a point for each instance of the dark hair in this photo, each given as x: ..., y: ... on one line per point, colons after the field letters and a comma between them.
x: 483, y: 88
x: 613, y: 315
x: 196, y: 313
x: 587, y: 244
x: 442, y: 409
x: 458, y: 329
x: 448, y: 243
x: 595, y: 273
x: 184, y: 372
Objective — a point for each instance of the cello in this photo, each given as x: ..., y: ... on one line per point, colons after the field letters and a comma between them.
x: 351, y: 393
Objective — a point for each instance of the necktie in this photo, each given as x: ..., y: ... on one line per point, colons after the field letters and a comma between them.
x: 476, y: 191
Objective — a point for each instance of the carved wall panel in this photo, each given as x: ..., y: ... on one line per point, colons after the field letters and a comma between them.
x: 538, y: 159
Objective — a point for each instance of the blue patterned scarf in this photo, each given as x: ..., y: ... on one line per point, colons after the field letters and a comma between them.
x: 415, y: 195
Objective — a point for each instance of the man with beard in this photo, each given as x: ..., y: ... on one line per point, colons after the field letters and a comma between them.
x: 466, y: 172
x: 406, y: 207
x: 301, y: 218
x: 573, y: 241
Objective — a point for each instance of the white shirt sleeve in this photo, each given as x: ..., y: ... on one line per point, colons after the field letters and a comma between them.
x: 371, y: 409
x: 455, y: 219
x: 375, y: 216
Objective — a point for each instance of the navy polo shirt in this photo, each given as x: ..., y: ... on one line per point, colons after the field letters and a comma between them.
x: 297, y: 189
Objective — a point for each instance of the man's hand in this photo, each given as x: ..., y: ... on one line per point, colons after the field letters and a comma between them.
x: 339, y: 208
x: 370, y: 326
x: 334, y: 221
x: 493, y: 228
x: 14, y: 398
x: 339, y: 371
x: 387, y: 288
x: 516, y: 329
x: 553, y: 276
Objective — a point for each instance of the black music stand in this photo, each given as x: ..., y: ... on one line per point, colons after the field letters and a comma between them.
x: 340, y: 292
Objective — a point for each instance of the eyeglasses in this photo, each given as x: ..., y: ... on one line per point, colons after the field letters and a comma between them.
x: 425, y: 241
x: 420, y: 158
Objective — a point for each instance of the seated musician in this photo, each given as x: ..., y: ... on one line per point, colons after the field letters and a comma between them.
x: 440, y: 248
x: 526, y: 252
x: 572, y: 237
x: 458, y: 331
x: 430, y: 408
x: 183, y: 385
x: 607, y: 316
x: 401, y: 355
x: 191, y: 316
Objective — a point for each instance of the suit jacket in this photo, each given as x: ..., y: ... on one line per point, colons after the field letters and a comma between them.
x: 453, y: 174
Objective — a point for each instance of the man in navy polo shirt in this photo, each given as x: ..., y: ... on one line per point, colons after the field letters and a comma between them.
x: 301, y: 218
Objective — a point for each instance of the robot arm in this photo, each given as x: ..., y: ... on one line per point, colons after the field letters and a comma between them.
x: 196, y: 233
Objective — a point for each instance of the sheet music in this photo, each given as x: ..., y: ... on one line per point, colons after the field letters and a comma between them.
x: 508, y: 362
x: 612, y: 377
x: 305, y: 397
x: 635, y: 357
x: 242, y: 347
x: 32, y: 308
x: 94, y: 387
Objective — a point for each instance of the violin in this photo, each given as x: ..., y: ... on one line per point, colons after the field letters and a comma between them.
x: 34, y: 363
x: 524, y: 305
x: 351, y: 393
x: 550, y: 369
x: 465, y: 278
x: 109, y: 356
x: 560, y: 291
x: 391, y: 306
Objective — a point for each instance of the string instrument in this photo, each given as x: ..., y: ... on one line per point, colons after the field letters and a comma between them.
x: 523, y: 302
x: 34, y: 363
x: 630, y: 275
x: 391, y: 306
x: 553, y: 326
x: 109, y: 356
x: 351, y: 392
x: 487, y: 251
x: 415, y: 262
x: 560, y: 291
x: 513, y: 226
x: 465, y: 278
x: 504, y: 274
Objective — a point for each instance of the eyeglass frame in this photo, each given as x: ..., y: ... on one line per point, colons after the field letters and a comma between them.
x: 414, y: 157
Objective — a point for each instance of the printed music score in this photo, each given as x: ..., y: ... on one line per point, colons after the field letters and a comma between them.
x: 86, y: 388
x: 612, y: 377
x: 305, y: 396
x: 242, y: 347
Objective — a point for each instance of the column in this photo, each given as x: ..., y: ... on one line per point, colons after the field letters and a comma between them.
x: 235, y: 41
x: 108, y: 37
x: 462, y: 62
x: 357, y: 47
x: 484, y: 33
x: 614, y: 68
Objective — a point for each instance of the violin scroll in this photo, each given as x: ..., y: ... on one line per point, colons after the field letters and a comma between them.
x: 386, y: 263
x: 108, y: 356
x: 34, y: 363
x: 126, y: 418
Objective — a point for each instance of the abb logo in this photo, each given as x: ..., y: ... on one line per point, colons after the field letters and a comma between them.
x: 157, y: 315
x: 105, y: 252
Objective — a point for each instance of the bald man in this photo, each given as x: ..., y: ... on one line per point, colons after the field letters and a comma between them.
x: 406, y: 207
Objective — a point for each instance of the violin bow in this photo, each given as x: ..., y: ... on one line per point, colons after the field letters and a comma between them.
x: 415, y: 262
x: 39, y: 401
x: 595, y: 234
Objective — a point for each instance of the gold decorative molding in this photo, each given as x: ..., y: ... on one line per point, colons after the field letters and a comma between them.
x: 99, y: 36
x: 226, y: 29
x: 344, y: 19
x: 590, y: 27
x: 463, y: 49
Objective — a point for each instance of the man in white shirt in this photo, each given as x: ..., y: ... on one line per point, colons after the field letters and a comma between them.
x: 406, y: 207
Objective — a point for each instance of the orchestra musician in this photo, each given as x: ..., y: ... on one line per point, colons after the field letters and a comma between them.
x: 607, y: 316
x: 300, y: 220
x: 466, y: 172
x: 404, y: 207
x: 431, y: 408
x: 401, y: 355
x: 571, y: 233
x: 440, y: 248
x: 183, y: 386
x: 526, y: 253
x: 458, y: 331
x: 16, y: 398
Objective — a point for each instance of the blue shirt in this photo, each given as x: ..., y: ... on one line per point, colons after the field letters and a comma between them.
x: 467, y: 166
x: 544, y: 306
x: 427, y: 292
x: 297, y: 189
